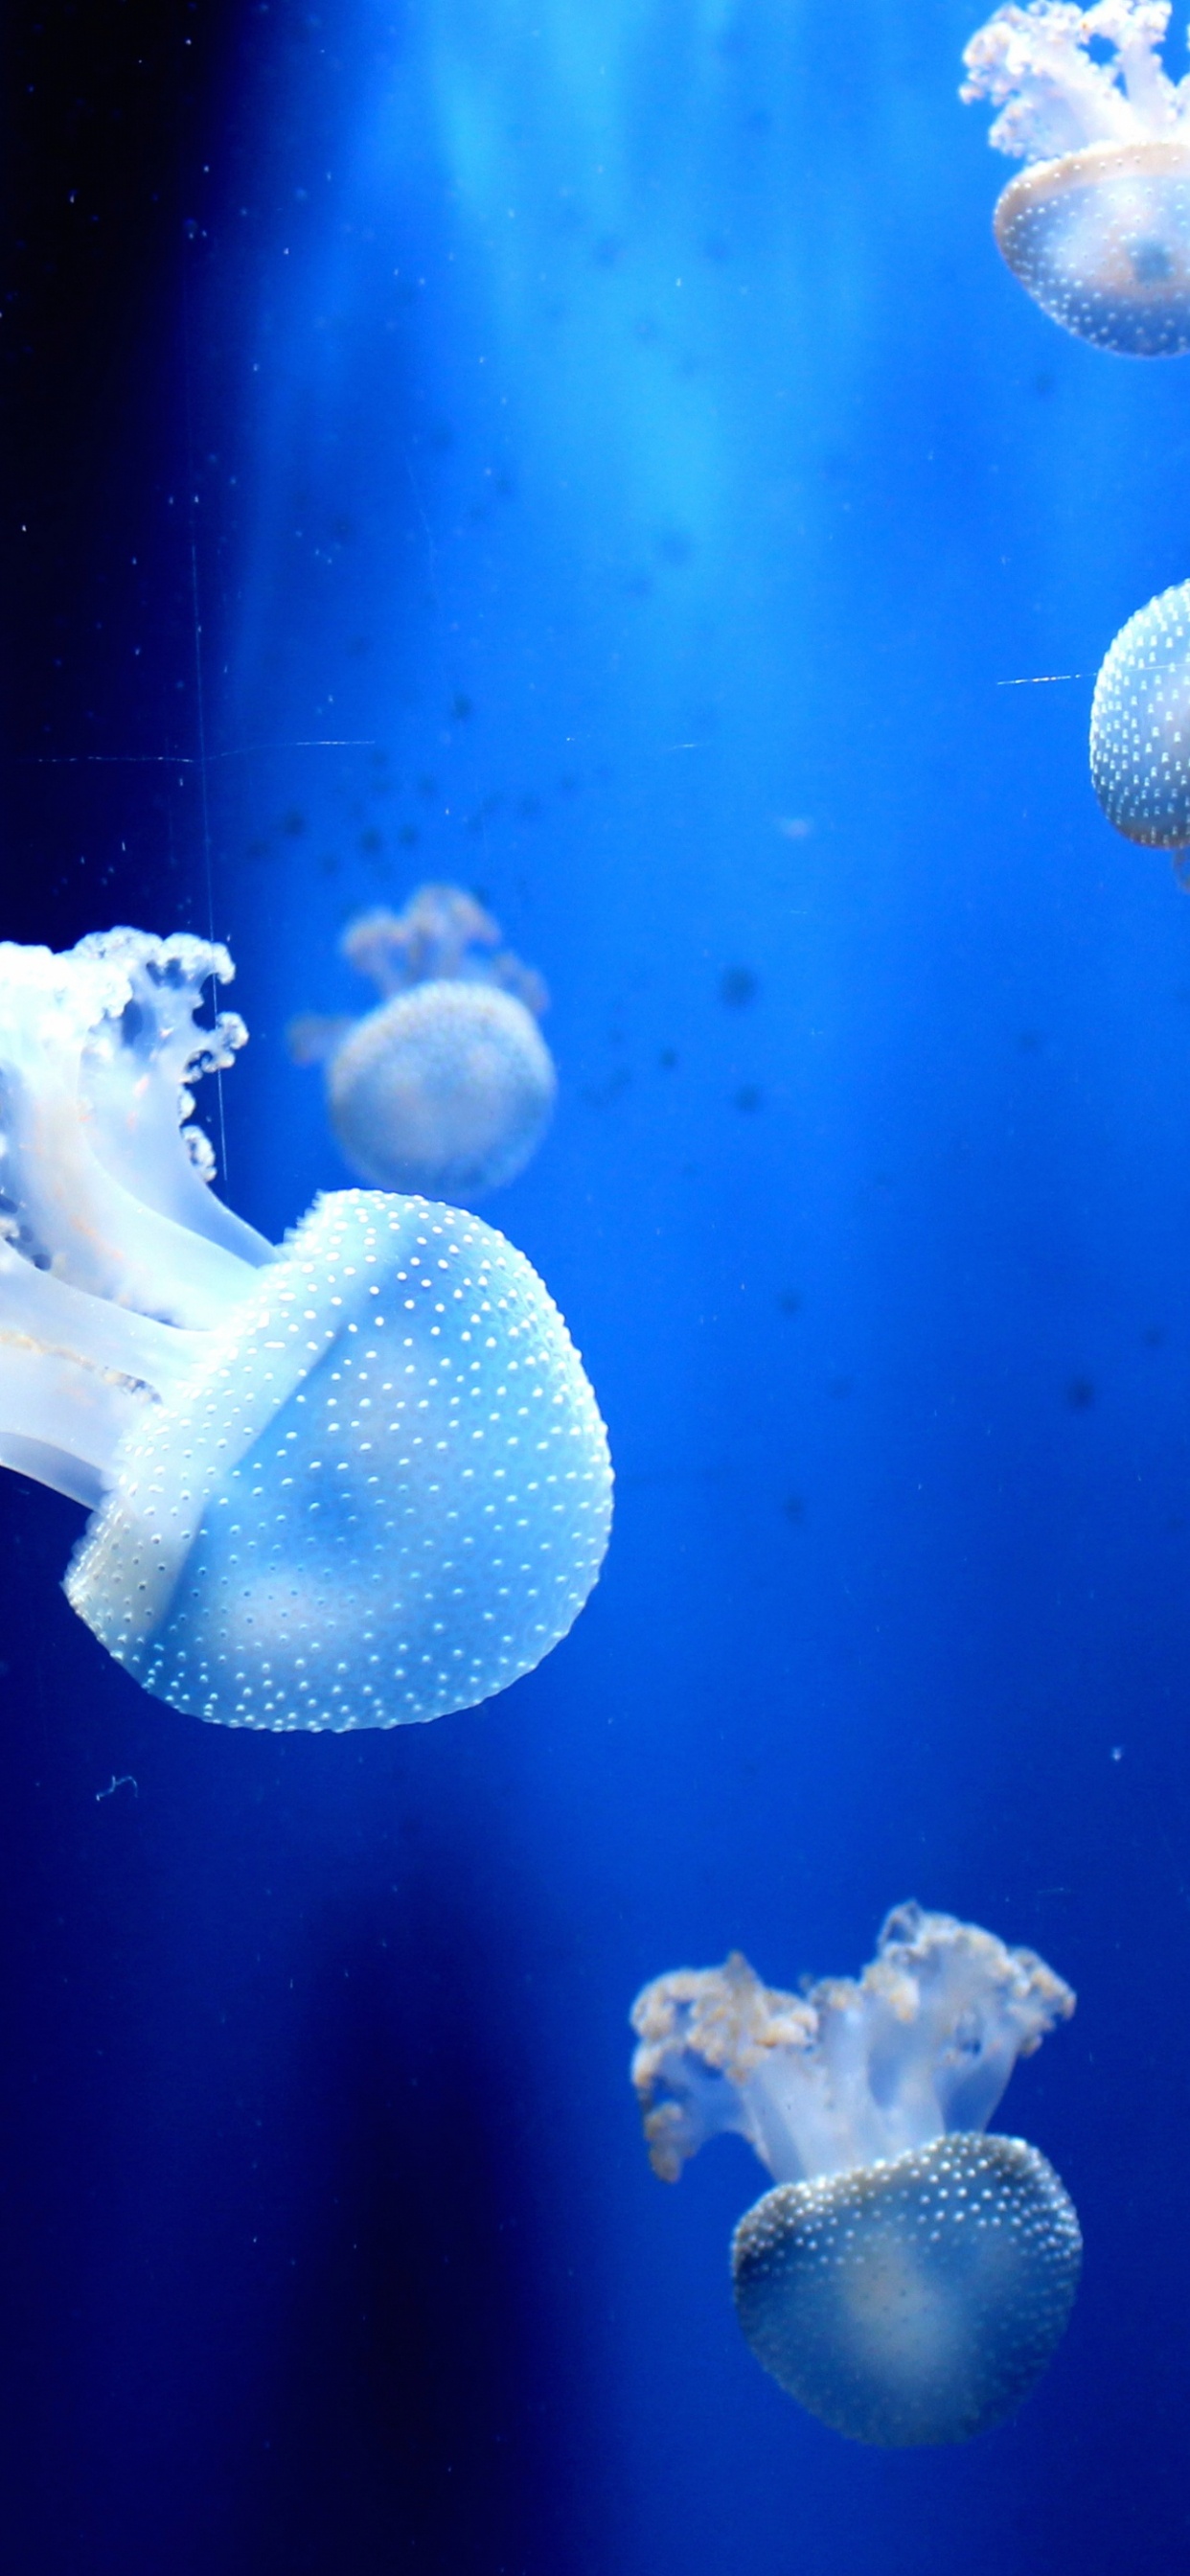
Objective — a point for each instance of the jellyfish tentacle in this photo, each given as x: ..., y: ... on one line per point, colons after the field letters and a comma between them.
x: 429, y: 940
x: 97, y: 1180
x: 853, y: 2069
x: 1054, y: 97
x: 313, y: 1036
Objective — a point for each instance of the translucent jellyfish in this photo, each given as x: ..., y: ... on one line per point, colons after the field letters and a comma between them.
x: 449, y: 1085
x: 1097, y: 227
x: 909, y: 2278
x: 356, y: 1480
x: 1140, y: 724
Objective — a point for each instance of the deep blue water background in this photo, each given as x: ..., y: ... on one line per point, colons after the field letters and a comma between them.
x: 611, y: 427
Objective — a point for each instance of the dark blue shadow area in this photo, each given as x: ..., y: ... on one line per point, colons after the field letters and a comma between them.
x: 594, y: 454
x: 288, y: 2279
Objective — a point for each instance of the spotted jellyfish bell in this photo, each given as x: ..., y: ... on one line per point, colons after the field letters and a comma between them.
x: 1140, y: 725
x: 914, y: 2302
x: 448, y: 1085
x: 359, y: 1480
x: 909, y: 2278
x: 1097, y: 226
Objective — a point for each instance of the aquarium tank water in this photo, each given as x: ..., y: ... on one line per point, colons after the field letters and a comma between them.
x: 594, y: 1300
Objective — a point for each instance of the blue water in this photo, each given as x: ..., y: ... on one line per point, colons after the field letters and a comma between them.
x: 596, y: 454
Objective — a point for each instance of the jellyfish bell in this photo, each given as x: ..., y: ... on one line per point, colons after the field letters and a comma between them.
x: 356, y: 1480
x: 910, y: 2277
x: 914, y: 2302
x: 377, y: 1498
x: 1140, y: 724
x: 448, y: 1085
x: 1101, y: 240
x: 1097, y: 226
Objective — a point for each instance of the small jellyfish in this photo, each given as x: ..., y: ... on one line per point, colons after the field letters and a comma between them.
x: 1140, y: 724
x: 909, y: 2278
x: 449, y: 1084
x: 356, y: 1480
x: 1097, y: 227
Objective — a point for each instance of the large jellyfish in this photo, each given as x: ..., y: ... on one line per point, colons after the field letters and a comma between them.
x: 449, y: 1084
x: 354, y: 1481
x: 1140, y: 724
x: 909, y: 2278
x: 1097, y: 227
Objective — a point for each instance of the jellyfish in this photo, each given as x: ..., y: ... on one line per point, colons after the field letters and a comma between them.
x: 1097, y: 226
x: 1140, y: 724
x: 909, y: 2277
x: 357, y: 1479
x: 448, y: 1085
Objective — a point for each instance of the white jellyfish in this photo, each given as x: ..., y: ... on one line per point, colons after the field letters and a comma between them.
x: 1097, y: 227
x: 354, y: 1481
x: 909, y: 2278
x: 1140, y: 725
x: 449, y: 1084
